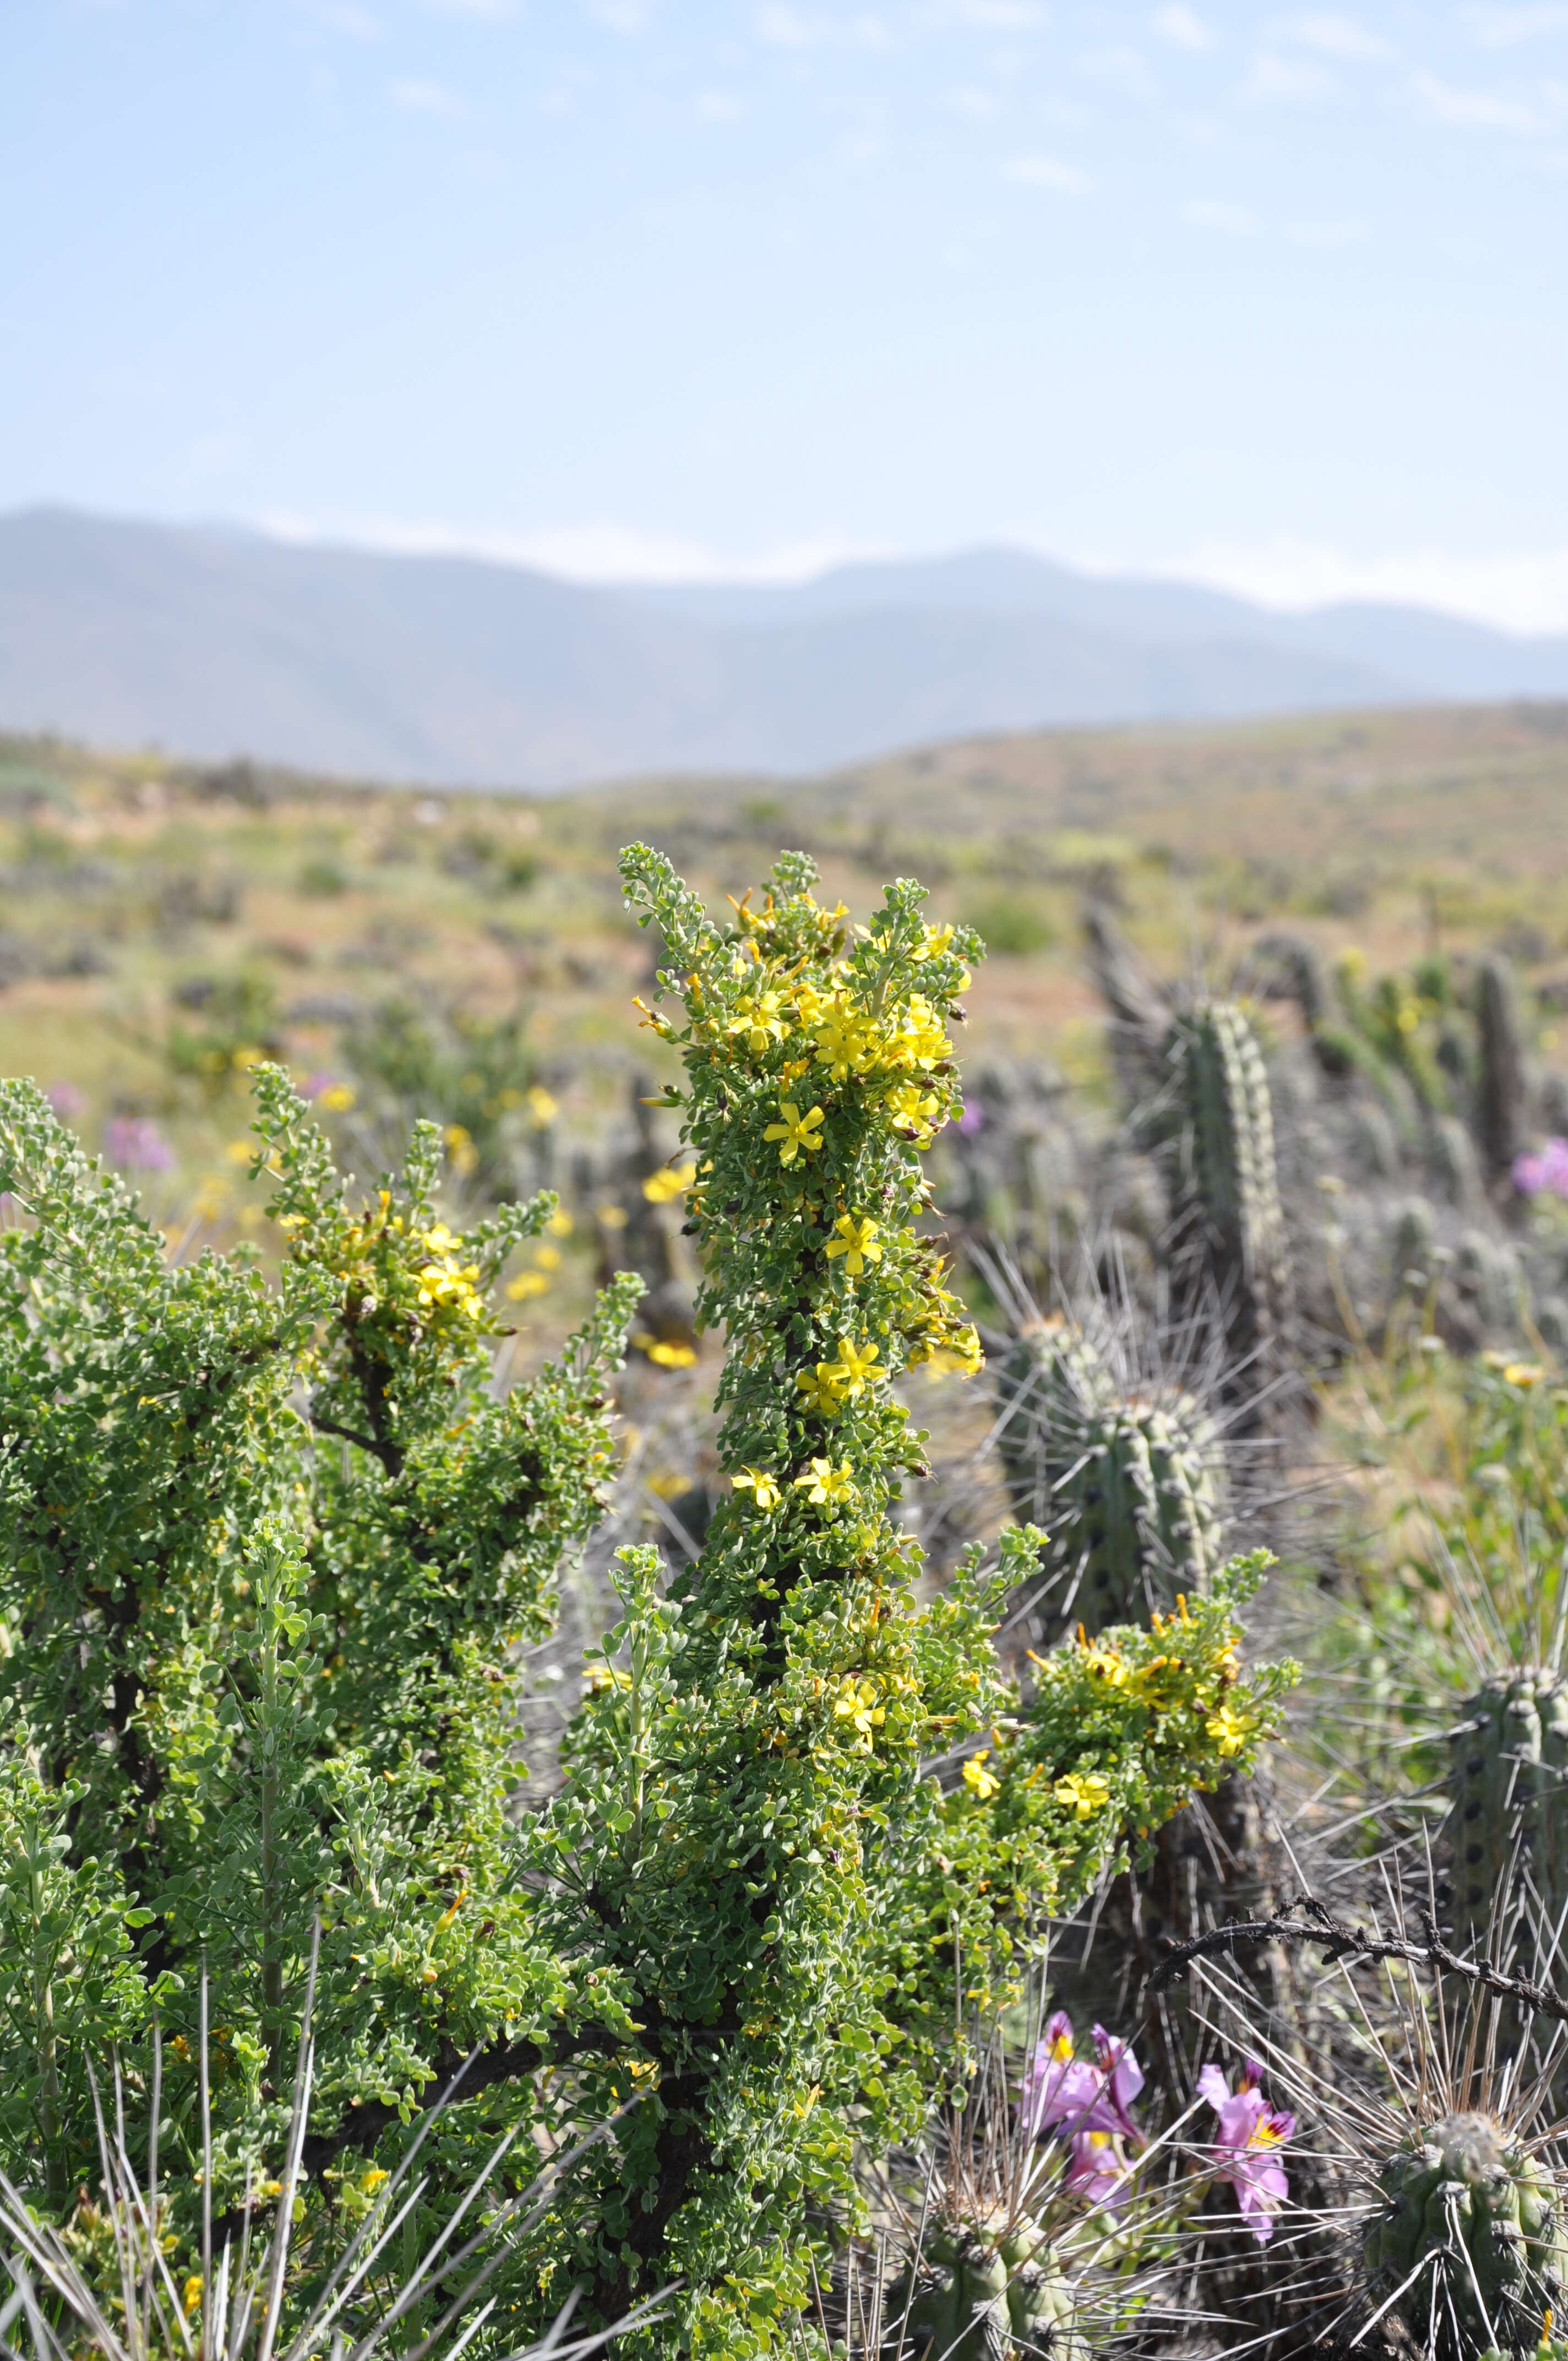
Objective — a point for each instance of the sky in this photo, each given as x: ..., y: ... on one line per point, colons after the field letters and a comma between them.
x: 1272, y: 299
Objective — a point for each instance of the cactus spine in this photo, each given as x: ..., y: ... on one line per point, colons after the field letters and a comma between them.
x: 1229, y: 1223
x: 988, y: 2293
x: 1470, y: 2230
x: 1130, y: 1489
x: 1509, y: 1784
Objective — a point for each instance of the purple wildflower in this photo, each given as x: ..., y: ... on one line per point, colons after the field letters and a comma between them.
x: 1122, y: 2078
x: 1058, y: 2087
x: 1246, y: 2153
x: 66, y: 1099
x: 1098, y: 2168
x: 1546, y: 1172
x: 135, y: 1143
x: 972, y: 1118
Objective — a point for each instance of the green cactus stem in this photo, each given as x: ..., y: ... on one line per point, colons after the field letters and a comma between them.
x: 1129, y: 1490
x: 1229, y: 1234
x: 1510, y: 1787
x: 985, y: 2294
x: 1468, y: 2230
x: 1501, y: 1094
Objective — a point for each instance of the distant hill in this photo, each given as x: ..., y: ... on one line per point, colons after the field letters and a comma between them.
x: 216, y: 641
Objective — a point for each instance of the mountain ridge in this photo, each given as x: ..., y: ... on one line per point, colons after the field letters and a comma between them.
x: 216, y: 640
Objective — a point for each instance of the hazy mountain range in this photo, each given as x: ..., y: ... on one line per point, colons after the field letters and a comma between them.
x: 213, y: 642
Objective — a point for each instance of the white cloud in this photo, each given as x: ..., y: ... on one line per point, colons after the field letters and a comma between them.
x: 1183, y: 28
x: 1004, y: 15
x: 1521, y: 590
x: 1213, y: 212
x: 1504, y: 28
x: 1326, y: 234
x: 425, y: 98
x: 1047, y: 172
x: 347, y: 16
x: 784, y: 28
x: 1272, y: 77
x: 1475, y: 110
x: 602, y: 551
x: 1336, y: 36
x: 627, y: 16
x: 1120, y: 68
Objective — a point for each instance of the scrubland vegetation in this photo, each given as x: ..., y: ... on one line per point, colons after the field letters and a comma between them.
x: 864, y: 1653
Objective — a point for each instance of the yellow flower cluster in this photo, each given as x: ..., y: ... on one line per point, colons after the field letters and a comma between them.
x: 852, y: 1041
x: 826, y: 1389
x: 445, y: 1284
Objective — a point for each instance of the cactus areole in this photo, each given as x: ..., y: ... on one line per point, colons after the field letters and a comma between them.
x: 1467, y: 2239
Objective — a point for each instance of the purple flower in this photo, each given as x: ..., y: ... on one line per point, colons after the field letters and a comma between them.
x: 1246, y: 2153
x: 1098, y: 2168
x: 1058, y: 2087
x: 135, y: 1143
x: 1122, y: 2078
x: 972, y: 1118
x: 1548, y: 1172
x: 66, y: 1099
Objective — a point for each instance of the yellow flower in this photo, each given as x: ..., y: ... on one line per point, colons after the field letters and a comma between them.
x: 1229, y: 1730
x: 937, y: 941
x: 819, y: 1390
x: 541, y: 1106
x: 854, y: 1367
x: 912, y: 1110
x: 757, y: 1016
x: 1082, y: 1794
x: 1523, y: 1374
x: 857, y: 1241
x: 844, y: 1043
x: 671, y: 1356
x: 527, y: 1283
x: 560, y: 1225
x: 240, y: 1151
x: 460, y: 1148
x: 763, y: 1489
x: 856, y: 1703
x: 977, y: 1778
x: 1107, y: 1665
x: 797, y: 1131
x: 660, y: 1187
x: 193, y: 2293
x: 824, y: 1486
x: 370, y: 2179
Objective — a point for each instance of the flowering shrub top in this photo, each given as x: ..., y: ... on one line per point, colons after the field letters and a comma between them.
x: 752, y: 1868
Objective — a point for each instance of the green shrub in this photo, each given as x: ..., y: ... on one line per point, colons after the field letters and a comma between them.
x: 1011, y: 925
x: 265, y: 1558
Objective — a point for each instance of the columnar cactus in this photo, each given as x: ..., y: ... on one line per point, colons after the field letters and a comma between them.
x: 1467, y: 2241
x: 1217, y: 1123
x: 1500, y: 1098
x: 1509, y: 1784
x: 1130, y: 1489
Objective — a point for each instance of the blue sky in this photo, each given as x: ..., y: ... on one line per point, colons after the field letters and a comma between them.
x: 1273, y: 296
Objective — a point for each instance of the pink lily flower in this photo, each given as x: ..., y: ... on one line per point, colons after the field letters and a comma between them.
x: 1247, y: 2150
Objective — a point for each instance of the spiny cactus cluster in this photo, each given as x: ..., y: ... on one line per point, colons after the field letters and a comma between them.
x: 988, y: 2290
x: 1466, y: 2245
x: 1510, y: 1787
x: 1130, y: 1489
